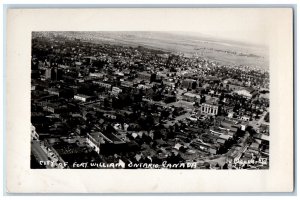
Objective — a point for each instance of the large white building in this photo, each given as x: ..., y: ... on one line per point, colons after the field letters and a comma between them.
x: 246, y: 92
x: 210, y: 109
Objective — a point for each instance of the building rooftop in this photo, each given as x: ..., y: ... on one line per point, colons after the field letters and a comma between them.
x: 225, y: 137
x: 211, y: 101
x: 82, y: 95
x: 97, y: 136
x: 188, y: 94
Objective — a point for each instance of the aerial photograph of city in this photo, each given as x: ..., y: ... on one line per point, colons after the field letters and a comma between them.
x: 148, y: 100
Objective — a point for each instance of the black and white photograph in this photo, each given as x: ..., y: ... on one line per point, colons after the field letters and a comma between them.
x: 148, y: 100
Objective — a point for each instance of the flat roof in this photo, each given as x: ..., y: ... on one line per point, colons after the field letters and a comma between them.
x: 82, y: 95
x: 191, y: 95
x: 96, y: 136
x: 226, y: 137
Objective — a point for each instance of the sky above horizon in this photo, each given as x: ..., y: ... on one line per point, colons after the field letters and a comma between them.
x: 249, y: 25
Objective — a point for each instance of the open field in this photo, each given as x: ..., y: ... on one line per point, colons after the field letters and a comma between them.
x: 223, y: 51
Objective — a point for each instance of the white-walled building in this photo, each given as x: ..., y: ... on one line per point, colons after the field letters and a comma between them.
x: 246, y: 92
x: 82, y: 97
x: 94, y: 140
x: 210, y: 109
x: 34, y: 135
